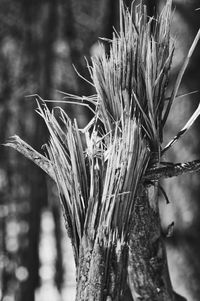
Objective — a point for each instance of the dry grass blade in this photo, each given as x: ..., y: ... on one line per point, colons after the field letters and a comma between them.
x: 187, y: 126
x: 180, y: 76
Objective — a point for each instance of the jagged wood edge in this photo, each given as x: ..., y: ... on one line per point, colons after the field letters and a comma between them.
x: 152, y: 174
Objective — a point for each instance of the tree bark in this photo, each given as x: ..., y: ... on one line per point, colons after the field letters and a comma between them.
x: 137, y: 270
x: 147, y: 263
x: 102, y: 272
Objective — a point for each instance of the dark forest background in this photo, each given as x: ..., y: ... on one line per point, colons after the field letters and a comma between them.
x: 39, y: 42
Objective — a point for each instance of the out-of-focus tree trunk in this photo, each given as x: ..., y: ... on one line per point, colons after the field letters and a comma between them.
x: 5, y: 114
x: 37, y: 47
x: 28, y: 32
x: 184, y: 192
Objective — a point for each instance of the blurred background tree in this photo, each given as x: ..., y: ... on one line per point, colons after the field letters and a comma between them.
x: 39, y: 42
x: 183, y: 192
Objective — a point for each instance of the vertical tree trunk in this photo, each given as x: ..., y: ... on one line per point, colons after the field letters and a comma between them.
x: 135, y: 271
x: 38, y: 66
x: 147, y: 264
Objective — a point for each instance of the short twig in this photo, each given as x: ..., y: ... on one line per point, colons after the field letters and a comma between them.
x: 172, y: 170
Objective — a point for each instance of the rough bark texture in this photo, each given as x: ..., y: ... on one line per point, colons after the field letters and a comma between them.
x: 135, y: 271
x: 90, y: 277
x: 172, y: 170
x: 147, y: 264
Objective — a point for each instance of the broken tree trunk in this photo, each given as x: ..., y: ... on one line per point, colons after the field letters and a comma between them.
x: 135, y: 271
x: 107, y: 173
